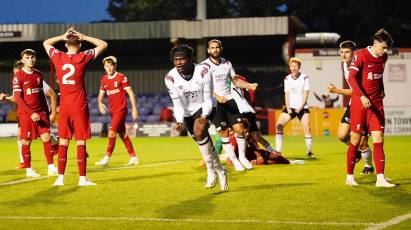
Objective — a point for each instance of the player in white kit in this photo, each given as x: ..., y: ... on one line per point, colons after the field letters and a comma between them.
x: 296, y: 89
x: 190, y: 87
x: 227, y: 113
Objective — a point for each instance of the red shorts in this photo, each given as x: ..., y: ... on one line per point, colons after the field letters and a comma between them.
x: 118, y: 120
x: 30, y: 130
x: 372, y: 119
x: 74, y: 120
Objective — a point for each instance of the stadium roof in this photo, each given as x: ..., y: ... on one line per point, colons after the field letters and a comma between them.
x: 158, y: 29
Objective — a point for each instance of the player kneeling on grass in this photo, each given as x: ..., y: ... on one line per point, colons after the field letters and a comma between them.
x: 115, y: 85
x: 32, y: 111
x: 190, y: 87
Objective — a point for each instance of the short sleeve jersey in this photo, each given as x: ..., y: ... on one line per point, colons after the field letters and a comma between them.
x: 371, y: 68
x: 70, y: 69
x: 296, y: 88
x: 115, y: 86
x: 190, y: 91
x: 240, y: 100
x: 30, y: 84
x: 222, y: 75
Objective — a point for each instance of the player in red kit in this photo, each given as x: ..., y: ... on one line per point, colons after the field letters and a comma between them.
x: 367, y: 110
x: 74, y: 114
x: 116, y: 85
x: 32, y: 111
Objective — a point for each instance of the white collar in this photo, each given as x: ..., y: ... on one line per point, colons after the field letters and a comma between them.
x: 26, y: 71
x: 113, y: 76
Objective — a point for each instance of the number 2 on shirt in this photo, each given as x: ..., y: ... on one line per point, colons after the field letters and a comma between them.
x: 66, y: 81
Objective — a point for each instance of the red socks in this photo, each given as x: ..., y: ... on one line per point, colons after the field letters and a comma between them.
x: 81, y: 159
x: 25, y: 149
x: 48, y: 152
x: 379, y: 158
x: 129, y: 146
x: 351, y: 158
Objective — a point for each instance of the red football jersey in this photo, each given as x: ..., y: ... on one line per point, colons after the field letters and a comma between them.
x: 370, y: 79
x: 70, y: 69
x: 115, y: 86
x: 30, y: 85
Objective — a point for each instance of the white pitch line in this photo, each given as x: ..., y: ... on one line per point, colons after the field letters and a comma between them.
x: 139, y: 166
x: 23, y: 180
x: 142, y: 219
x: 389, y: 223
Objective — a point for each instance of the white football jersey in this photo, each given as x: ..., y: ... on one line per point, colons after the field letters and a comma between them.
x: 296, y: 89
x: 242, y: 103
x: 190, y: 95
x: 222, y: 75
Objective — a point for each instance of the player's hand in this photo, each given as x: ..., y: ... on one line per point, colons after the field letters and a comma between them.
x: 260, y: 160
x: 134, y: 114
x: 180, y: 127
x: 331, y: 88
x: 383, y: 94
x: 289, y: 111
x: 221, y: 99
x: 52, y: 116
x: 69, y: 31
x: 35, y: 117
x: 203, y: 120
x: 102, y: 108
x: 2, y: 96
x: 80, y: 35
x: 365, y: 102
x: 253, y: 86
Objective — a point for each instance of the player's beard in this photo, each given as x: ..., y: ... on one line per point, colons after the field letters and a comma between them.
x: 215, y: 55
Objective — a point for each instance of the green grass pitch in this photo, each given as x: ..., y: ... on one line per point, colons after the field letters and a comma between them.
x: 166, y: 191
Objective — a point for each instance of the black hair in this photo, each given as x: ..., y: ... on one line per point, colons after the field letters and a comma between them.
x: 186, y: 50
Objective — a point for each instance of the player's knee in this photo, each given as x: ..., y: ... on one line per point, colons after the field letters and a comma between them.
x: 224, y: 133
x: 111, y: 133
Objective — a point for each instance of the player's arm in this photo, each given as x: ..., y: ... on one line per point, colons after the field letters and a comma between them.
x: 17, y: 93
x: 305, y: 97
x: 53, y: 104
x: 335, y: 90
x: 207, y: 93
x: 100, y: 44
x: 287, y: 101
x: 8, y: 98
x: 243, y: 84
x: 177, y: 104
x: 134, y: 111
x: 101, y: 106
x: 353, y: 81
x: 49, y: 43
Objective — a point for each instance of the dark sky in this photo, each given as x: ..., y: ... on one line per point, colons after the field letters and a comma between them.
x: 54, y: 11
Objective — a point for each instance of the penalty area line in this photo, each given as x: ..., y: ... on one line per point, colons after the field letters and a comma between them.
x: 23, y: 180
x: 389, y: 223
x: 142, y: 219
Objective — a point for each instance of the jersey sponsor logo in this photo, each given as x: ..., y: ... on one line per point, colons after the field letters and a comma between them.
x: 91, y: 51
x: 374, y: 76
x: 33, y: 90
x: 114, y: 91
x: 125, y: 80
x: 191, y: 94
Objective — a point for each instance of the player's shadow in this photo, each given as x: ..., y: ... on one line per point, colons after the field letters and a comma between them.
x: 398, y: 195
x: 135, y: 178
x: 41, y: 198
x: 13, y: 172
x: 199, y: 206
